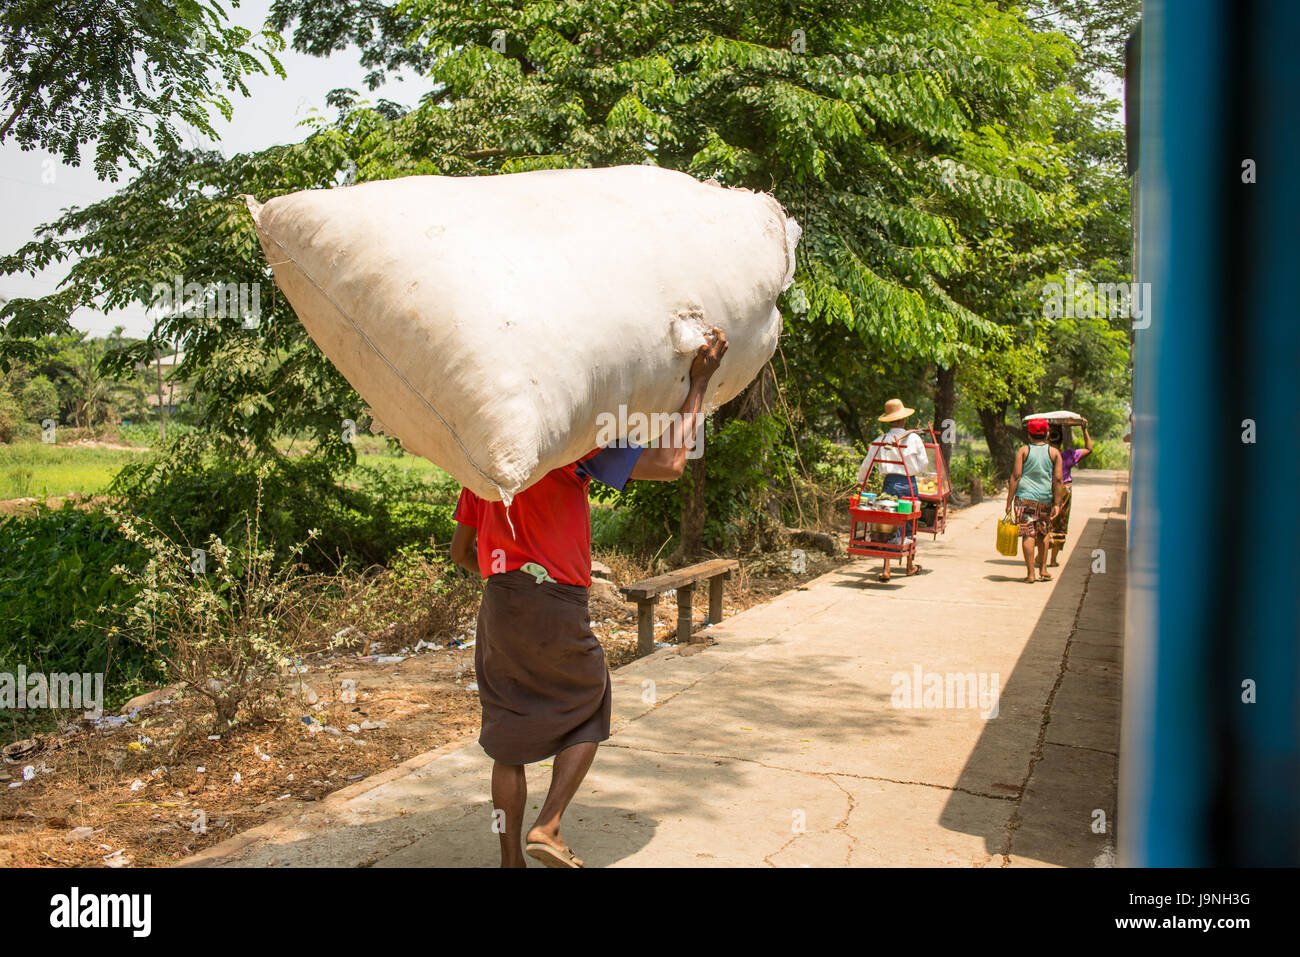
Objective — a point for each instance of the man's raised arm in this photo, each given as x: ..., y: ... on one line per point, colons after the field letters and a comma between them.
x: 666, y: 461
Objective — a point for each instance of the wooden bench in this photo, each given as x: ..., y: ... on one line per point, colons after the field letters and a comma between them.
x: 646, y: 595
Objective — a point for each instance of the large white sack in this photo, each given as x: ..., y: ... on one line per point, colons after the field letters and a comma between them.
x: 488, y: 321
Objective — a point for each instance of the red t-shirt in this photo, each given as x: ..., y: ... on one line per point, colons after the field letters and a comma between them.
x: 552, y: 519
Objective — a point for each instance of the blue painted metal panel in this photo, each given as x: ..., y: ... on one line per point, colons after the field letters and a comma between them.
x: 1207, y: 778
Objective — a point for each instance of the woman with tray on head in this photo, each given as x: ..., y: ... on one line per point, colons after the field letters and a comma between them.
x: 1060, y: 525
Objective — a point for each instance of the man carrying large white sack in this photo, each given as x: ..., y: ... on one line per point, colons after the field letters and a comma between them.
x: 543, y: 682
x: 416, y: 287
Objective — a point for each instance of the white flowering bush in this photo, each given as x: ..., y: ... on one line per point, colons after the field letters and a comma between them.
x: 223, y: 620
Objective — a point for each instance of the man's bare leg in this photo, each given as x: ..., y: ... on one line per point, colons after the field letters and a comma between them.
x: 509, y: 794
x: 571, y: 766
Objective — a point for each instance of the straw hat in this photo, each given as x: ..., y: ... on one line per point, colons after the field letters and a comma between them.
x: 895, y: 410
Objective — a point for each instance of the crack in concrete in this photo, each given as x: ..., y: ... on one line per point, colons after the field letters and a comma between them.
x: 842, y: 774
x: 1082, y: 747
x: 767, y: 859
x: 843, y: 825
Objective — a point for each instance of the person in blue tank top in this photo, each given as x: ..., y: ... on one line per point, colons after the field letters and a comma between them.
x: 1034, y: 494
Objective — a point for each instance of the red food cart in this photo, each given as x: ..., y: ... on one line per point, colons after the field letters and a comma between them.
x: 871, y: 528
x: 934, y: 487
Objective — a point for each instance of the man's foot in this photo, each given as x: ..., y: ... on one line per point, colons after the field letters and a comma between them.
x: 913, y: 569
x: 1044, y: 576
x: 1029, y: 579
x: 551, y: 851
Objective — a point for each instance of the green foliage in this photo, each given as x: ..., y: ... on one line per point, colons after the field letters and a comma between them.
x: 13, y: 421
x: 831, y: 464
x: 855, y: 115
x: 144, y: 434
x: 887, y: 133
x: 738, y: 467
x: 611, y: 527
x: 58, y: 571
x: 380, y: 31
x: 1005, y: 376
x: 1099, y: 27
x: 1087, y: 363
x: 944, y: 160
x: 1107, y: 454
x: 205, y: 486
x: 39, y: 398
x: 67, y: 376
x: 120, y: 74
x: 966, y: 467
x: 182, y: 218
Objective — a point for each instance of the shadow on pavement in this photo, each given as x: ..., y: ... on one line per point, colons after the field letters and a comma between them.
x: 1070, y: 841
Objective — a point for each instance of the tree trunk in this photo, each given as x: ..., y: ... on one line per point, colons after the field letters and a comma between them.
x: 162, y: 419
x: 757, y: 399
x: 945, y: 405
x: 694, y: 513
x: 1000, y: 439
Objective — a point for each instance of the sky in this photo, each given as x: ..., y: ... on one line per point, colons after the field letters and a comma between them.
x: 35, y: 187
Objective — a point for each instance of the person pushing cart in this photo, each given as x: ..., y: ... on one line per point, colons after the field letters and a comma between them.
x: 902, y: 456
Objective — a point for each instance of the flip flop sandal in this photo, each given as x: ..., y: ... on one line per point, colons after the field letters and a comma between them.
x: 552, y: 856
x: 915, y: 569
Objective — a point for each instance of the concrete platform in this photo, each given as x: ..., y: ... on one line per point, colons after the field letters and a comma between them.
x: 790, y: 741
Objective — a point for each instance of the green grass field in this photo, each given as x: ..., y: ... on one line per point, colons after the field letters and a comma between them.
x: 371, y: 449
x: 32, y: 468
x: 36, y: 469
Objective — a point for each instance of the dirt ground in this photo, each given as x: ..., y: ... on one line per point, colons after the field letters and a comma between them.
x: 152, y: 791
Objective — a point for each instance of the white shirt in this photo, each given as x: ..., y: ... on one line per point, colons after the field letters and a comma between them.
x: 914, y: 455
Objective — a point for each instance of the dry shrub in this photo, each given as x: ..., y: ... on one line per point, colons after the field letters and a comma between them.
x: 624, y: 566
x: 421, y: 596
x: 224, y: 622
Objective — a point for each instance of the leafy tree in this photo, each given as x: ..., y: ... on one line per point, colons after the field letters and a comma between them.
x: 1098, y: 28
x: 182, y: 218
x: 12, y: 417
x: 1088, y: 232
x: 382, y: 32
x: 39, y: 398
x: 121, y: 74
x: 863, y: 119
x: 916, y: 145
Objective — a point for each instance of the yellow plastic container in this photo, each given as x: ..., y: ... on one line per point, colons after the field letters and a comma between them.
x: 1008, y: 536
